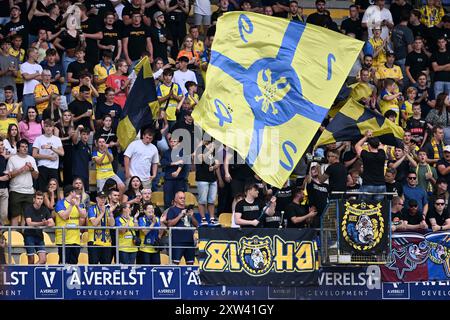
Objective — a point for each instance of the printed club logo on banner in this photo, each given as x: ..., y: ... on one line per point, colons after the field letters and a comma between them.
x: 363, y: 227
x: 166, y: 283
x: 48, y: 283
x: 396, y: 291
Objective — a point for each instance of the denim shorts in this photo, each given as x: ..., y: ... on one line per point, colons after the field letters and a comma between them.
x: 207, y: 192
x: 34, y: 244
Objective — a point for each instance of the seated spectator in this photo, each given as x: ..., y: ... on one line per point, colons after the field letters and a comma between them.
x: 412, y: 192
x: 439, y: 217
x: 397, y: 224
x: 413, y: 218
x: 36, y: 215
x: 127, y: 247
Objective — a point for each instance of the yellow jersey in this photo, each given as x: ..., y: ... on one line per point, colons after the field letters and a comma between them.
x: 19, y: 55
x: 4, y: 124
x: 104, y: 170
x: 102, y: 72
x: 384, y: 72
x: 389, y: 105
x: 199, y: 46
x: 12, y: 107
x: 381, y: 58
x: 431, y: 16
x: 71, y: 224
x: 151, y: 236
x: 162, y: 91
x: 42, y: 91
x: 76, y: 91
x: 126, y: 243
x: 100, y: 237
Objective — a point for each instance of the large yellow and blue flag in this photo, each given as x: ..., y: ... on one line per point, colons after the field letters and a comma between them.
x: 353, y: 120
x: 270, y: 83
x: 141, y: 105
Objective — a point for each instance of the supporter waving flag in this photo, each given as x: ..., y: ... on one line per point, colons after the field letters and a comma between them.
x: 270, y: 83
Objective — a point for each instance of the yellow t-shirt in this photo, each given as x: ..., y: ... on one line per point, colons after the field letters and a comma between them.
x: 4, y: 124
x: 384, y: 72
x: 199, y: 46
x: 381, y: 58
x: 431, y: 16
x: 406, y: 108
x: 162, y: 91
x: 72, y: 235
x: 104, y: 170
x: 126, y: 239
x: 13, y: 115
x: 191, y: 100
x: 19, y: 55
x: 102, y: 72
x: 76, y: 91
x: 389, y: 105
x: 100, y: 237
x: 41, y: 91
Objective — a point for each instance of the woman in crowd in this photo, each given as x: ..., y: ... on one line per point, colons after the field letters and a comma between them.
x: 127, y: 248
x: 78, y: 185
x: 187, y: 50
x: 53, y: 110
x: 65, y: 131
x: 52, y: 195
x: 12, y: 136
x: 439, y: 116
x: 148, y: 254
x: 133, y: 194
x: 29, y: 128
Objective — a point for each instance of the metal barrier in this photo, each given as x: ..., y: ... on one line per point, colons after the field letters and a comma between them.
x: 64, y: 245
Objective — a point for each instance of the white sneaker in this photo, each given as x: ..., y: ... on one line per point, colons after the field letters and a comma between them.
x: 204, y: 222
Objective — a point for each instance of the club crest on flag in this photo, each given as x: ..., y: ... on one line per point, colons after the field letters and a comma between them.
x: 256, y: 255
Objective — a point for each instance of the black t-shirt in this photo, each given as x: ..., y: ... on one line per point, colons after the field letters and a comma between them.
x: 337, y: 174
x: 350, y: 155
x: 412, y: 219
x: 440, y: 218
x: 110, y: 37
x: 317, y: 197
x: 417, y: 62
x: 159, y: 48
x: 284, y: 197
x: 250, y: 211
x: 22, y: 27
x: 352, y: 26
x: 446, y: 164
x: 424, y: 107
x: 419, y: 30
x: 373, y: 163
x: 321, y: 20
x: 36, y: 215
x: 202, y: 172
x: 37, y: 22
x: 184, y: 126
x: 67, y: 41
x: 109, y: 136
x: 50, y: 25
x: 295, y: 210
x: 240, y: 171
x: 394, y: 187
x: 77, y: 68
x: 91, y: 26
x: 3, y: 161
x: 81, y: 158
x: 430, y: 151
x: 441, y: 58
x: 397, y: 10
x: 129, y: 9
x: 433, y: 34
x: 102, y: 109
x: 103, y: 7
x: 77, y: 108
x: 418, y: 128
x: 47, y: 114
x: 137, y: 40
x: 402, y: 170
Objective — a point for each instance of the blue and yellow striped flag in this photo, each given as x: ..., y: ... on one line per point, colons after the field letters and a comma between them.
x: 270, y: 83
x: 141, y: 106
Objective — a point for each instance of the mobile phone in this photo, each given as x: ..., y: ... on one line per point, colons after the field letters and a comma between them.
x: 190, y: 207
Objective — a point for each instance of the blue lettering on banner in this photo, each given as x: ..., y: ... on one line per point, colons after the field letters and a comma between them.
x: 48, y: 283
x: 331, y: 59
x: 245, y: 25
x: 289, y: 166
x: 166, y: 283
x: 396, y: 290
x: 220, y: 107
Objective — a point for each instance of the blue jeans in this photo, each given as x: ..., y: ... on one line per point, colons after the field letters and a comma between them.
x: 207, y: 192
x: 372, y: 189
x: 441, y: 86
x: 65, y: 62
x: 127, y: 257
x: 27, y: 101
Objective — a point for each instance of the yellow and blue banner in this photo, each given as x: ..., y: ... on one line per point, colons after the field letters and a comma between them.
x: 270, y: 83
x: 141, y: 105
x: 353, y: 120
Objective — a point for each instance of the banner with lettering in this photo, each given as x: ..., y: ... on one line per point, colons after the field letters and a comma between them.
x: 418, y: 257
x: 363, y: 227
x: 250, y: 256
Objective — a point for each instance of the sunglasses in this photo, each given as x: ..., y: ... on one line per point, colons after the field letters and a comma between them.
x: 440, y: 203
x: 412, y: 178
x: 413, y: 206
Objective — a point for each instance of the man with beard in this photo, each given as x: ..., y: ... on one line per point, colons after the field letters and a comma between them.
x: 320, y: 18
x: 160, y: 37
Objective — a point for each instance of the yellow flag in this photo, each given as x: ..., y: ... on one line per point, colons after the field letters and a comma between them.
x: 270, y: 83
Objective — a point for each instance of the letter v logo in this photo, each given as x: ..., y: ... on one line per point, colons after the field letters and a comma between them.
x: 49, y: 281
x: 166, y: 280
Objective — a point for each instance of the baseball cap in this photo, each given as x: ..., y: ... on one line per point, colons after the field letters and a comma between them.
x: 15, y: 7
x: 157, y: 14
x: 447, y: 148
x: 101, y: 194
x: 68, y: 189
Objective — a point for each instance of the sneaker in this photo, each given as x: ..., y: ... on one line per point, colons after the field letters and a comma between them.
x: 214, y: 223
x: 204, y: 222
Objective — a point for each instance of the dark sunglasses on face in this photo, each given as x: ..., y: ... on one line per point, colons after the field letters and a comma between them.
x: 412, y: 178
x: 413, y: 206
x: 440, y: 203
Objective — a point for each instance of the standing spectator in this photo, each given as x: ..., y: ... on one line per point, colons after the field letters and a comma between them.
x: 20, y: 23
x: 141, y: 158
x: 298, y: 215
x: 182, y: 240
x: 425, y: 95
x: 43, y: 92
x: 438, y: 217
x: 119, y: 82
x: 443, y: 165
x: 99, y: 244
x: 111, y: 37
x: 396, y: 214
x: 127, y: 248
x: 402, y: 39
x: 29, y: 128
x: 42, y: 45
x: 103, y: 162
x: 108, y: 108
x: 399, y: 7
x: 199, y: 45
x: 416, y: 61
x: 31, y: 72
x: 91, y: 32
x: 81, y: 154
x: 440, y: 62
x: 66, y: 131
x: 336, y: 173
x: 435, y: 148
x: 101, y: 73
x: 4, y: 177
x: 440, y: 114
x: 160, y: 36
x: 148, y: 254
x: 81, y: 109
x: 136, y: 40
x: 56, y: 69
x: 379, y: 46
x: 8, y: 68
x: 132, y: 7
x: 430, y: 14
x: 52, y: 194
x: 392, y: 185
x: 51, y: 22
x: 47, y: 149
x: 10, y: 142
x: 322, y: 17
x: 417, y: 28
x: 353, y: 23
x: 177, y: 13
x: 389, y: 99
x: 426, y: 174
x: 294, y: 12
x: 223, y: 8
x: 183, y: 75
x: 108, y: 133
x: 206, y: 165
x: 175, y: 171
x: 85, y: 80
x: 18, y: 53
x: 403, y: 162
x: 250, y: 211
x: 379, y: 16
x: 202, y: 13
x: 22, y: 170
x: 412, y: 191
x: 70, y: 213
x: 417, y: 126
x: 390, y: 71
x: 373, y: 163
x: 36, y: 215
x: 169, y: 94
x: 14, y: 109
x: 77, y: 68
x: 5, y: 122
x: 53, y: 109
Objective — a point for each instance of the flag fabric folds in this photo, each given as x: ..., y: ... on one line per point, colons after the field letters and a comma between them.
x: 141, y: 105
x: 353, y: 120
x: 270, y: 83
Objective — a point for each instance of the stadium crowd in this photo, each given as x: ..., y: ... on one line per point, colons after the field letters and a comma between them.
x: 66, y: 71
